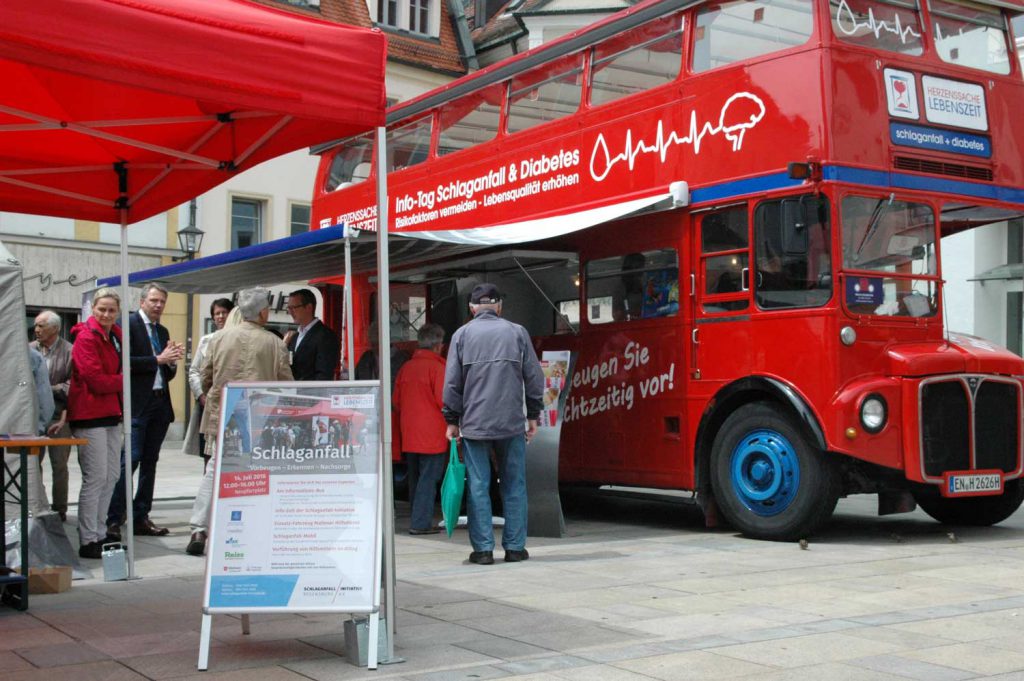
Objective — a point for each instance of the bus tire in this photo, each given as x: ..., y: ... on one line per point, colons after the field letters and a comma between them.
x: 769, y: 481
x: 974, y: 511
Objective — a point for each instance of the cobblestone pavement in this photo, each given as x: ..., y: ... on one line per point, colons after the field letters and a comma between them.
x: 638, y: 589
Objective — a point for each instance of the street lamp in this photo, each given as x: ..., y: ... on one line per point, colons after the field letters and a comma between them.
x: 190, y: 238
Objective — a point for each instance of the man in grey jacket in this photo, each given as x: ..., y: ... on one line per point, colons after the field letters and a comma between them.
x: 57, y: 353
x: 491, y: 367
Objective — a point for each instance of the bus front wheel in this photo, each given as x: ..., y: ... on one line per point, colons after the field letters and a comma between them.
x: 976, y: 511
x: 769, y: 481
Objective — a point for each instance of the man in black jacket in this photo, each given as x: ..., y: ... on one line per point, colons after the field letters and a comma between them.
x: 314, y: 348
x: 154, y: 359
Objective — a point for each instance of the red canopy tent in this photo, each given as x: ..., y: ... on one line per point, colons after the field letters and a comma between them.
x: 115, y: 110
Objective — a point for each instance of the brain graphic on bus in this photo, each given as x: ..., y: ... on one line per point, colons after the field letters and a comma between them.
x: 740, y: 113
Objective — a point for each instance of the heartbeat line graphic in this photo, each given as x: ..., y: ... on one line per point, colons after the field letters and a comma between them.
x: 846, y: 21
x: 740, y: 113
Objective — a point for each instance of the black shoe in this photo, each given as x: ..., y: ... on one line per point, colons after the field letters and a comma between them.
x: 146, y: 528
x: 513, y: 556
x: 93, y: 549
x: 113, y: 532
x: 429, y: 530
x: 197, y: 544
x: 482, y: 557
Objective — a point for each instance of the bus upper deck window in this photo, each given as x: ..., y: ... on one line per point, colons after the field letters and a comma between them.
x: 546, y: 93
x: 728, y: 32
x: 892, y: 25
x: 470, y: 120
x: 971, y: 35
x: 638, y: 60
x: 351, y: 163
x: 409, y: 144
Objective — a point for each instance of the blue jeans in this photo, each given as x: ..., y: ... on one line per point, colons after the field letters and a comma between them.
x: 425, y: 472
x: 511, y: 459
x: 148, y: 431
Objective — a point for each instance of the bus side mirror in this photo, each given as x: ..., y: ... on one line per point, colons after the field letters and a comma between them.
x: 795, y: 235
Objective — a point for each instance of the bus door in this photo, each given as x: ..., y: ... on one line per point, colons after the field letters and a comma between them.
x: 722, y: 293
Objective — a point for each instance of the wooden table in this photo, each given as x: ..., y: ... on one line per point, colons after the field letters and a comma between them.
x: 17, y: 483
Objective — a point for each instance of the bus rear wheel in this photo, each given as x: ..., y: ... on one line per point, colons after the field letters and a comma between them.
x: 769, y: 481
x: 974, y: 511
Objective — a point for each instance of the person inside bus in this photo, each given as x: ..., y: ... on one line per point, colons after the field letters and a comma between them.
x: 628, y: 300
x: 368, y: 366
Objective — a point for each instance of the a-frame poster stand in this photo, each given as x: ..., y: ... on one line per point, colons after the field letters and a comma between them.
x: 296, y: 519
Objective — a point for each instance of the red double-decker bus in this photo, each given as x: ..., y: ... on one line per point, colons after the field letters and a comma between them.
x: 731, y: 213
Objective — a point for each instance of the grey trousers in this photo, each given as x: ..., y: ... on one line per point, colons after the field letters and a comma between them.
x: 58, y: 457
x: 100, y: 461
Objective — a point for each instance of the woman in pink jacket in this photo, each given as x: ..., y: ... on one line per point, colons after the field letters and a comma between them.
x: 94, y: 411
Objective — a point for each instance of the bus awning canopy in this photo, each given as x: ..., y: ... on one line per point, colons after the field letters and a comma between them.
x: 317, y: 254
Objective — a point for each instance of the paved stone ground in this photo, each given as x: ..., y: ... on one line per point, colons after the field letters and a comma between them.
x: 637, y: 590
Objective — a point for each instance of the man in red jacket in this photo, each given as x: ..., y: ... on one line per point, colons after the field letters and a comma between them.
x: 417, y: 402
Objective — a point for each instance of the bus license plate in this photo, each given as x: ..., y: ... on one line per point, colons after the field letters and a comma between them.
x: 972, y: 483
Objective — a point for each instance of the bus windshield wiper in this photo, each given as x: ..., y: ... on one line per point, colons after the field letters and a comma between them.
x: 876, y: 217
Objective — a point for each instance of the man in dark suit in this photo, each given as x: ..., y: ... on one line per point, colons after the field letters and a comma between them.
x: 153, y: 365
x: 314, y: 348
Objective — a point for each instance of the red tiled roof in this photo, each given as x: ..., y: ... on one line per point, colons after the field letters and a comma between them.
x: 441, y: 55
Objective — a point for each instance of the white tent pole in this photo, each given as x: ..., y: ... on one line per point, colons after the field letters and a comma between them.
x: 349, y: 335
x: 126, y: 386
x: 384, y: 355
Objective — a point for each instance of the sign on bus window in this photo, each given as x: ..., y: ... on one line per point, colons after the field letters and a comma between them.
x: 639, y: 285
x: 728, y: 32
x: 637, y: 60
x: 878, y: 24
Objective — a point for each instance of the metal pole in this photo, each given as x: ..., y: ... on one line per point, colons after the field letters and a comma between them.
x: 384, y: 354
x: 126, y: 386
x: 349, y: 330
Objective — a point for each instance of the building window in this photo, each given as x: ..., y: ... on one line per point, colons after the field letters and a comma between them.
x: 419, y: 16
x: 416, y: 16
x: 298, y: 218
x: 246, y: 222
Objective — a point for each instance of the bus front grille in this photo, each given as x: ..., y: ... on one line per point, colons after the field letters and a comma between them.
x: 969, y: 423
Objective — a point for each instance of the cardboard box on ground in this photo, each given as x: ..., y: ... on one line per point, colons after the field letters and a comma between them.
x: 49, y: 580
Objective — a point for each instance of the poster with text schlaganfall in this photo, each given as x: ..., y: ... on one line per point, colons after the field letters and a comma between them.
x: 295, y: 523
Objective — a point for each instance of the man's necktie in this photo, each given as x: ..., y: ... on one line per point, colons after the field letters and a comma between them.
x: 154, y: 339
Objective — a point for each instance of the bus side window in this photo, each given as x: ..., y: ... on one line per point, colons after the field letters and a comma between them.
x: 638, y: 60
x: 351, y: 163
x: 794, y: 268
x: 409, y: 144
x: 545, y: 93
x: 470, y: 120
x: 728, y: 32
x: 724, y: 236
x: 633, y: 286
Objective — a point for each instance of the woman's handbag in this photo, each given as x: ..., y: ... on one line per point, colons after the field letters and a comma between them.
x: 452, y: 487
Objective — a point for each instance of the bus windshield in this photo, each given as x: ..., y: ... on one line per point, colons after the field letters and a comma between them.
x: 890, y: 244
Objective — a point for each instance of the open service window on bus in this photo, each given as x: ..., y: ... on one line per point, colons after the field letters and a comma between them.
x: 889, y: 257
x: 639, y: 285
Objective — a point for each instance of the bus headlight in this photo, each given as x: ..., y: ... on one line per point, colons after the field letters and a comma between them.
x: 873, y: 413
x: 848, y: 335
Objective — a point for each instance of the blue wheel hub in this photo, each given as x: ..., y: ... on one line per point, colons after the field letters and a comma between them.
x: 765, y: 472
